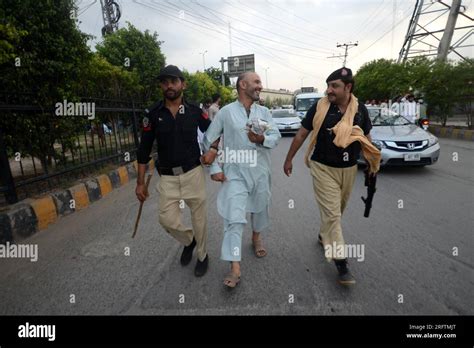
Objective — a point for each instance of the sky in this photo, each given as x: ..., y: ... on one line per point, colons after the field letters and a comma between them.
x: 294, y: 41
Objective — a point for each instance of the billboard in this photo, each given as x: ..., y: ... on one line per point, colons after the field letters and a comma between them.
x: 237, y: 65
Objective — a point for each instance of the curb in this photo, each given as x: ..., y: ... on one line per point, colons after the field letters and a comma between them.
x: 18, y: 222
x: 452, y: 133
x: 79, y: 196
x: 105, y: 185
x: 45, y: 211
x: 29, y: 216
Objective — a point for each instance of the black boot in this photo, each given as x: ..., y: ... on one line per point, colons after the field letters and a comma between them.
x: 201, y: 267
x: 187, y: 254
x: 345, y: 276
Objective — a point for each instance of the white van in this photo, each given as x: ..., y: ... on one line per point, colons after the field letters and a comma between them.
x: 304, y: 101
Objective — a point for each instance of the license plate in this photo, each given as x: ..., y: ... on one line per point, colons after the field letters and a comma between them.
x: 288, y: 127
x: 412, y: 157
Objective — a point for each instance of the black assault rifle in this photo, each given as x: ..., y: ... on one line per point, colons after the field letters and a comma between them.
x: 370, y: 181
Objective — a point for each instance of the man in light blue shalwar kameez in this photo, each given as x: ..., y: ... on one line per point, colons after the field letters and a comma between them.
x: 245, y: 175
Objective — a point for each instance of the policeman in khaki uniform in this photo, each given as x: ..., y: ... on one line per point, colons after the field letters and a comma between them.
x: 173, y: 122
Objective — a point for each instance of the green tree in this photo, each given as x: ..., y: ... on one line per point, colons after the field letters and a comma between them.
x: 464, y: 73
x: 136, y: 51
x: 43, y: 35
x: 418, y: 71
x: 100, y: 79
x: 215, y: 74
x: 9, y: 39
x: 199, y: 87
x: 441, y: 90
x: 41, y: 53
x: 380, y: 79
x: 227, y: 94
x: 444, y: 86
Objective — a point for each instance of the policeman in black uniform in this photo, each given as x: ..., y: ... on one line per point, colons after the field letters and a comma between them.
x: 173, y: 122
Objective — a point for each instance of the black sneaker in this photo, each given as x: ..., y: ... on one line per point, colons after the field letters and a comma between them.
x: 201, y: 267
x: 187, y: 254
x: 345, y: 276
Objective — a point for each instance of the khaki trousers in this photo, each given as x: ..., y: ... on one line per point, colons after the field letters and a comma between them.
x: 189, y: 187
x: 332, y: 189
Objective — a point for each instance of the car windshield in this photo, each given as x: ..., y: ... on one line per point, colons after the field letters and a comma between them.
x: 283, y: 113
x: 385, y: 117
x: 305, y: 104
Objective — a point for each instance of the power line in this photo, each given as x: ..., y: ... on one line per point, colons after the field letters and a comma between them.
x: 347, y: 46
x: 246, y: 34
x: 383, y: 35
x: 302, y: 18
x: 284, y: 64
x: 194, y: 12
x: 363, y: 28
x: 251, y: 24
x: 279, y: 21
x: 259, y: 36
x: 211, y: 20
x: 85, y: 8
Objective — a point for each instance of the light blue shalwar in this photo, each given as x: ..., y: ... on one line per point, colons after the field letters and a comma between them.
x: 247, y: 188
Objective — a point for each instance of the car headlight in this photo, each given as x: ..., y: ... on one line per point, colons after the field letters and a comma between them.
x: 432, y: 140
x: 379, y: 144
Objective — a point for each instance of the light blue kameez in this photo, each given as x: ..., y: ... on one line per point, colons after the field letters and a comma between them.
x: 247, y: 188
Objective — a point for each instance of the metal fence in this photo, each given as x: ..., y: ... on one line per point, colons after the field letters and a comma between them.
x: 51, y: 158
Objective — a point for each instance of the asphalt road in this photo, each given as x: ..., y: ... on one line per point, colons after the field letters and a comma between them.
x: 408, y: 252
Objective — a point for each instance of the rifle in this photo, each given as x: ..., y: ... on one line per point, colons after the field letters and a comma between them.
x: 370, y: 181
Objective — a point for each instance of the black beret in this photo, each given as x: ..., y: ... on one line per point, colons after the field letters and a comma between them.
x: 344, y: 74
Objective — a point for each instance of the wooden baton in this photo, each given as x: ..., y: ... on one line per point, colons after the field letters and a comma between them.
x: 148, y: 179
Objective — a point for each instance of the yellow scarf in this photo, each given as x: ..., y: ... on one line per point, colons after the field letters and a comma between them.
x: 346, y: 133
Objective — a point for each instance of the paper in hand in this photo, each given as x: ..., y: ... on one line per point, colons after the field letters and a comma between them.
x: 258, y: 126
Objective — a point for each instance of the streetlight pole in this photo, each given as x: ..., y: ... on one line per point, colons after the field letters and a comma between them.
x: 222, y: 61
x: 266, y: 77
x: 203, y: 60
x: 302, y: 81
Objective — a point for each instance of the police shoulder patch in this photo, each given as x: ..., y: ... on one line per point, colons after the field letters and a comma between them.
x: 146, y: 124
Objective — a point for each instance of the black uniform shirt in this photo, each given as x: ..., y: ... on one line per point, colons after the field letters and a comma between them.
x: 325, y: 151
x: 176, y: 137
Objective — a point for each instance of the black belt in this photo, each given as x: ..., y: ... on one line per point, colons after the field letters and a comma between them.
x: 178, y: 170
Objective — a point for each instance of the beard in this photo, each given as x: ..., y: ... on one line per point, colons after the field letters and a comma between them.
x: 254, y: 95
x: 172, y: 94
